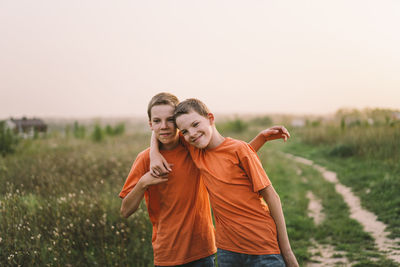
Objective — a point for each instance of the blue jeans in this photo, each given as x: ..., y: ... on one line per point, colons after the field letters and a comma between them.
x: 203, y: 262
x: 227, y: 258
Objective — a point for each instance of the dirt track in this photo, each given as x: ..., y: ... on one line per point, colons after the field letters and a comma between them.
x: 366, y: 218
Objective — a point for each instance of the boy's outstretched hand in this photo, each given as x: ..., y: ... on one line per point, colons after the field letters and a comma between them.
x: 276, y: 132
x: 272, y: 133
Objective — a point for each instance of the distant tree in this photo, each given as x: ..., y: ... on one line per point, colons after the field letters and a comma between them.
x: 79, y: 130
x: 234, y: 126
x: 8, y: 140
x: 109, y: 130
x: 98, y: 133
x: 119, y: 129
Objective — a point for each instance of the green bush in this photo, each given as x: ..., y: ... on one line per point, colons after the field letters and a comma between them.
x: 342, y: 151
x: 98, y: 133
x: 233, y: 126
x: 79, y: 130
x: 8, y: 140
x: 117, y: 130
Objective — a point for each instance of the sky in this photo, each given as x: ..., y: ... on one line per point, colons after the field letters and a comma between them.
x: 99, y: 58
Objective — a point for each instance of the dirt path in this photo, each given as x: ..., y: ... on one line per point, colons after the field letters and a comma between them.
x: 366, y: 218
x: 323, y: 255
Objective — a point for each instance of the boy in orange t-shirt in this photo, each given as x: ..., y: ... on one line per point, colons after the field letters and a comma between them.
x: 247, y: 229
x: 178, y: 205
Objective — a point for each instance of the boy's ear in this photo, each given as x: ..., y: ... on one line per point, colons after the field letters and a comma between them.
x: 211, y: 118
x: 151, y: 125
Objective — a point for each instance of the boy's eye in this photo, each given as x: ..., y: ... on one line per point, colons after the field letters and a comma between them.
x: 171, y: 119
x: 195, y: 124
x: 156, y: 121
x: 184, y: 132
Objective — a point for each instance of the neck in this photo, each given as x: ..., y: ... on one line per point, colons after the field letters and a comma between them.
x: 171, y: 145
x: 216, y: 139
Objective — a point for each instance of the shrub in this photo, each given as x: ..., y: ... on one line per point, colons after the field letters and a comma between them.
x: 79, y: 130
x: 233, y: 126
x: 98, y: 134
x: 8, y: 140
x: 117, y: 130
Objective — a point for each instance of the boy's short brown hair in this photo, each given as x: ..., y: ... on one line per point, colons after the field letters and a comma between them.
x: 191, y: 104
x: 162, y: 99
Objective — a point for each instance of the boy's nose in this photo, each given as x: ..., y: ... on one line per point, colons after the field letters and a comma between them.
x: 164, y: 124
x: 191, y: 132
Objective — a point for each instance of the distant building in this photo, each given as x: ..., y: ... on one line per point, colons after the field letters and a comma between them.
x: 298, y: 123
x: 27, y: 127
x: 396, y: 116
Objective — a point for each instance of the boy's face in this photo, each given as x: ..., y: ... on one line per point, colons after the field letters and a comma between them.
x: 196, y: 129
x: 162, y: 123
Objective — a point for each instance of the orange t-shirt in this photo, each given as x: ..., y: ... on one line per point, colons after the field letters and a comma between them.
x: 233, y: 175
x: 178, y: 209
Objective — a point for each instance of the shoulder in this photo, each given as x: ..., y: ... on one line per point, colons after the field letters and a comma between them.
x: 143, y: 156
x: 239, y: 145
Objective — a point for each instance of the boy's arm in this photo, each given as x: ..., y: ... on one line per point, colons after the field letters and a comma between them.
x: 274, y: 204
x: 132, y: 200
x: 158, y: 164
x: 273, y: 133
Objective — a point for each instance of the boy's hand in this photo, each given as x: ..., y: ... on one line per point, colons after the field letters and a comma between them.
x: 158, y: 165
x: 276, y: 132
x: 148, y: 179
x: 290, y: 259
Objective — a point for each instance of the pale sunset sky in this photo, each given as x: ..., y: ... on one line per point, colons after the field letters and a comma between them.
x: 108, y: 58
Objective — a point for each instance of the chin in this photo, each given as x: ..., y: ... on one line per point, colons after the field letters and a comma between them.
x: 201, y: 146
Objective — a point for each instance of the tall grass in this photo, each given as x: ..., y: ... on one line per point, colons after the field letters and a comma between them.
x: 366, y: 158
x: 59, y: 205
x: 382, y: 142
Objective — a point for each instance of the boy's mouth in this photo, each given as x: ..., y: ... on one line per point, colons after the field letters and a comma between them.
x: 196, y: 138
x: 165, y: 134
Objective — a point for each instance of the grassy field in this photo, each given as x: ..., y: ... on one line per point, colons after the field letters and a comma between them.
x: 59, y: 202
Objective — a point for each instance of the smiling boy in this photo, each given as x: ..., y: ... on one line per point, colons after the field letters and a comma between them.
x: 247, y: 229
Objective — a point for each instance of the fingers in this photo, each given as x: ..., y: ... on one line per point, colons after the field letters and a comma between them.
x: 284, y: 131
x: 167, y: 166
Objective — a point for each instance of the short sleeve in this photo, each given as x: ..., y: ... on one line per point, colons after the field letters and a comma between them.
x: 139, y: 168
x: 251, y: 164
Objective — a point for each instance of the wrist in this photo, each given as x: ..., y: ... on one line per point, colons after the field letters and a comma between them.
x: 142, y: 184
x: 266, y: 136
